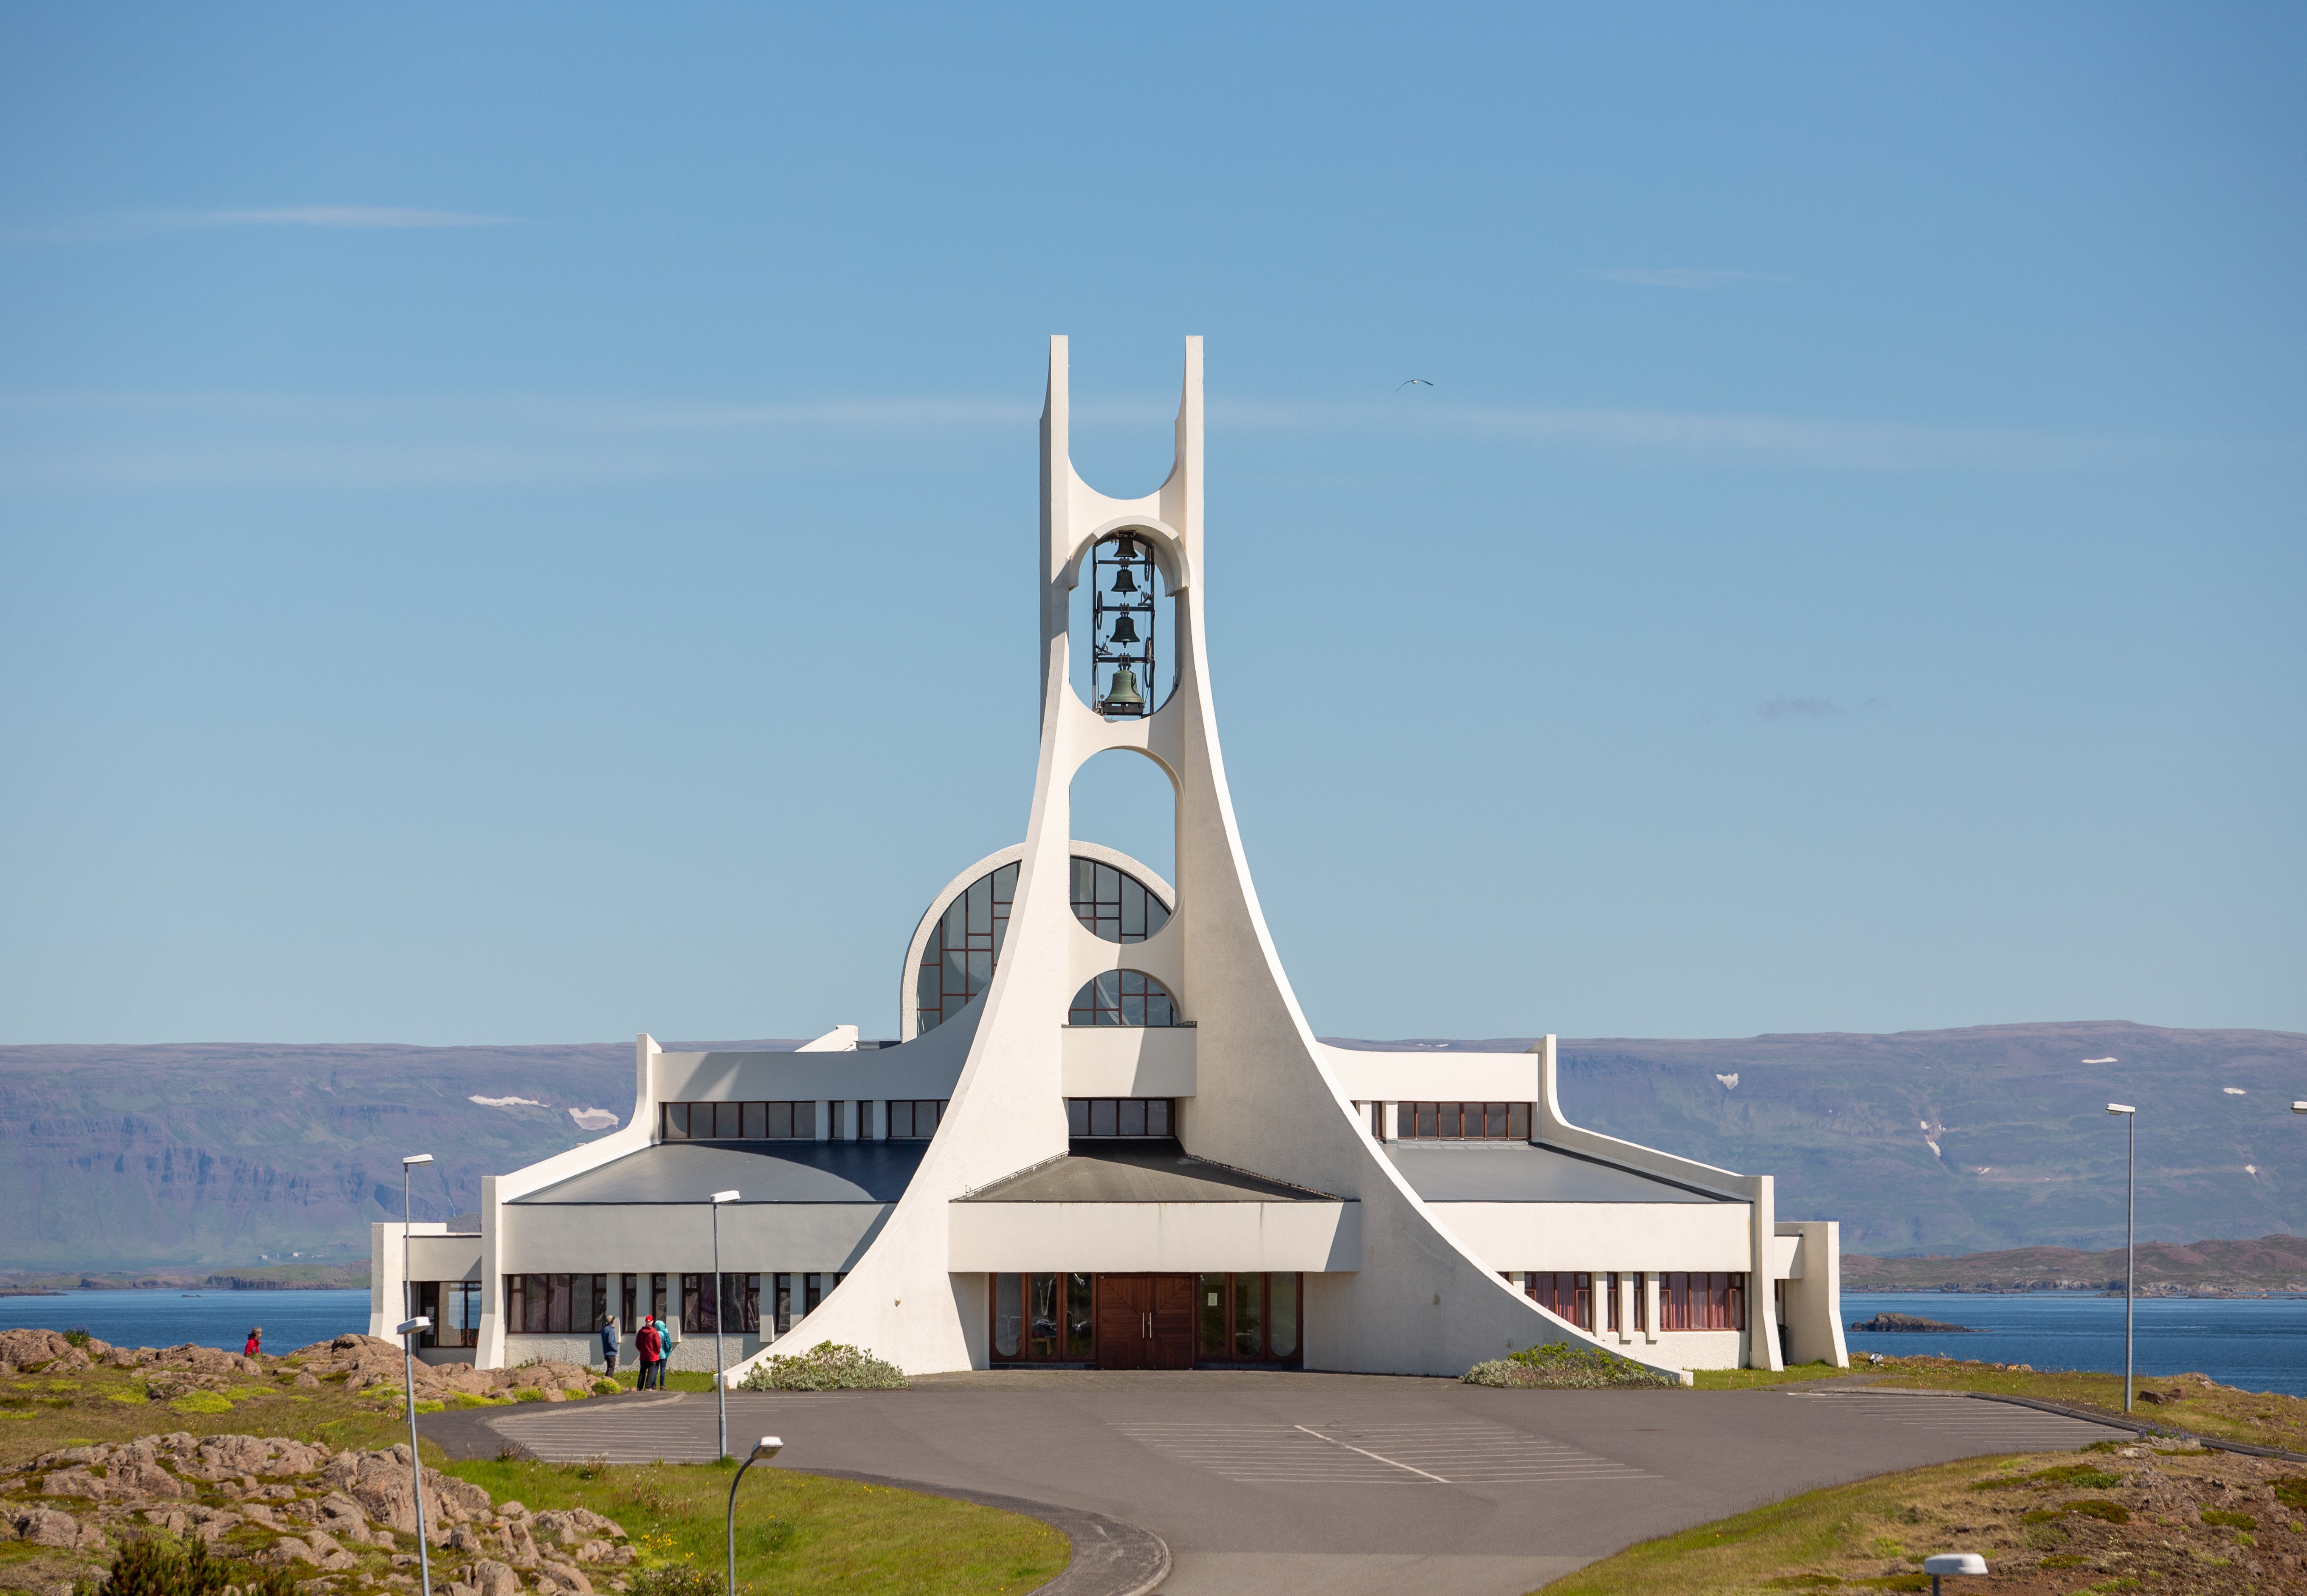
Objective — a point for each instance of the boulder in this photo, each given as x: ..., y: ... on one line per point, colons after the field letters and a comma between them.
x: 24, y: 1347
x: 494, y: 1578
x: 44, y: 1526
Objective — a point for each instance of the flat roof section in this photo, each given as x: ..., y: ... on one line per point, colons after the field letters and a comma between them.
x: 1154, y: 1170
x: 1526, y: 1172
x: 760, y: 1171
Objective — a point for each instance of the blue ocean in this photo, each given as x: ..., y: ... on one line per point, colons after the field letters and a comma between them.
x: 2260, y: 1344
x: 150, y: 1318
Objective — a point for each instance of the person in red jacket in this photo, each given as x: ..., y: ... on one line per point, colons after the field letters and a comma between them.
x: 650, y: 1349
x: 255, y: 1343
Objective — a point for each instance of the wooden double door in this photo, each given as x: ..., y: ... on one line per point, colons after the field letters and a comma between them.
x: 1145, y: 1321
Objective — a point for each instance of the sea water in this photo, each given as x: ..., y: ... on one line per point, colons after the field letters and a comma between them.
x: 163, y: 1318
x: 2258, y: 1343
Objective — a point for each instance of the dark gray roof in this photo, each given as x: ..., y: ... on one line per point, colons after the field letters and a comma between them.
x: 1525, y: 1173
x: 1154, y: 1170
x: 761, y: 1172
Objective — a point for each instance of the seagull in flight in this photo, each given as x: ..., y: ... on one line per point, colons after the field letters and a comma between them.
x: 1413, y: 383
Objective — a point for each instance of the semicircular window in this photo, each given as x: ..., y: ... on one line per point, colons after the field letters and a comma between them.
x: 1114, y: 905
x: 964, y: 948
x: 1122, y: 998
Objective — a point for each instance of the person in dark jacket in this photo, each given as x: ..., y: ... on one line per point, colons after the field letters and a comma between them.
x: 609, y: 1345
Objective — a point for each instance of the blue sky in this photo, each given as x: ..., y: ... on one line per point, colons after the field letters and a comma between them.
x: 518, y: 524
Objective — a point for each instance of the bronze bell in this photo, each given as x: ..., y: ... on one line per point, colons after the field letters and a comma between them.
x: 1123, y: 697
x: 1125, y: 631
x: 1125, y: 580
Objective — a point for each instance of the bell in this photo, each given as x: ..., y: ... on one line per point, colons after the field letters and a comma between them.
x: 1125, y: 631
x: 1125, y: 580
x: 1123, y: 697
x: 1127, y: 549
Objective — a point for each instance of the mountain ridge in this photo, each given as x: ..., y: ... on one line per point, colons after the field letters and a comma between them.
x: 1973, y: 1139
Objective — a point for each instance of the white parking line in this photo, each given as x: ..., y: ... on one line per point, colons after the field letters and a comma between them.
x: 1464, y: 1454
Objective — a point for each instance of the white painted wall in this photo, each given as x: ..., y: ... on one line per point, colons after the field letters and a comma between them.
x: 1128, y: 1062
x: 1519, y: 1237
x: 1154, y: 1238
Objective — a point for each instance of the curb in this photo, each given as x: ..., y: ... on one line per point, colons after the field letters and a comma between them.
x: 1110, y: 1557
x: 2140, y: 1426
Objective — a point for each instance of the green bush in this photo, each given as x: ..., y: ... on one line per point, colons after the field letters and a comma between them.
x: 1559, y: 1366
x: 827, y: 1366
x: 156, y: 1565
x: 2233, y: 1521
x: 2071, y: 1476
x: 2291, y: 1490
x: 78, y: 1335
x: 677, y: 1579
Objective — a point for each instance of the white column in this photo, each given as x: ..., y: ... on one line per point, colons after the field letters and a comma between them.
x: 1392, y: 1122
x: 824, y: 1119
x: 1650, y: 1290
x: 880, y: 1120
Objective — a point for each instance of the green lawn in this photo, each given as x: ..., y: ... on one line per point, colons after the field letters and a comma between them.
x: 795, y: 1532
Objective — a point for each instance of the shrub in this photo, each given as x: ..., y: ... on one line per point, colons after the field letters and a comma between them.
x: 827, y: 1366
x: 78, y: 1336
x: 1559, y: 1366
x: 2071, y: 1476
x: 2233, y: 1521
x: 676, y: 1579
x: 155, y: 1566
x: 606, y: 1388
x: 2291, y: 1490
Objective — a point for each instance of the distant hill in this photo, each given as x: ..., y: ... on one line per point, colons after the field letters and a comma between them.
x: 117, y: 1158
x: 1972, y: 1140
x: 2271, y: 1263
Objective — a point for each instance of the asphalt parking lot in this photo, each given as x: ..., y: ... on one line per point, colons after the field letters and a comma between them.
x: 1291, y: 1484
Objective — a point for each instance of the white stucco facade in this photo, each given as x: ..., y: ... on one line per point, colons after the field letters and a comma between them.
x: 904, y: 1193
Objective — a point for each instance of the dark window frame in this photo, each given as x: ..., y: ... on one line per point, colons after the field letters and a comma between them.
x: 1461, y: 1121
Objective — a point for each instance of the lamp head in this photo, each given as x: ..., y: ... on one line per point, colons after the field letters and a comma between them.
x: 415, y: 1158
x: 2121, y: 1108
x: 412, y: 1327
x: 724, y: 1196
x: 2299, y: 1107
x: 767, y: 1447
x: 1955, y: 1563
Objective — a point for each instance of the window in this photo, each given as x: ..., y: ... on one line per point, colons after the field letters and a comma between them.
x: 1045, y: 1318
x: 554, y: 1304
x: 1118, y: 1116
x: 1564, y: 1294
x: 1247, y: 1319
x: 740, y: 1304
x: 1612, y: 1312
x: 454, y: 1306
x: 1122, y: 998
x: 1115, y: 906
x: 1462, y: 1122
x: 740, y: 1122
x: 958, y: 958
x: 1699, y: 1301
x: 964, y: 948
x: 914, y: 1121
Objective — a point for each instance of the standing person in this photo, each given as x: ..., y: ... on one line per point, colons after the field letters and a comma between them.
x: 648, y: 1348
x: 255, y: 1341
x: 609, y: 1345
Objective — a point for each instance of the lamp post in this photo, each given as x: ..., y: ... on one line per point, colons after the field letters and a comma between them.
x: 409, y: 1328
x: 2129, y: 1233
x: 720, y: 1390
x: 1945, y: 1562
x: 763, y: 1449
x: 408, y: 1307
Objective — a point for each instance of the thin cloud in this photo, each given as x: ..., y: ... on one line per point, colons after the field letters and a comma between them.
x: 1686, y: 276
x: 129, y: 224
x: 1792, y: 709
x: 234, y: 440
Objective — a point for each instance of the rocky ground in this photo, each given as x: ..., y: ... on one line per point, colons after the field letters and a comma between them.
x: 347, y: 1517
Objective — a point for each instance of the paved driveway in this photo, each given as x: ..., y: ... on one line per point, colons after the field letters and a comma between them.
x: 1291, y: 1484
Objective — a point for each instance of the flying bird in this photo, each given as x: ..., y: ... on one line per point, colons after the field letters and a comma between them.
x: 1414, y: 381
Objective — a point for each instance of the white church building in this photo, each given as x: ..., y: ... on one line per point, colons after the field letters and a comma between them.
x: 1106, y: 1135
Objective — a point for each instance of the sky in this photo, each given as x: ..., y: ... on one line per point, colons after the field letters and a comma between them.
x: 518, y: 523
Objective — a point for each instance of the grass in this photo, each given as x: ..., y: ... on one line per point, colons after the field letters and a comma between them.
x: 2025, y: 1514
x: 795, y: 1532
x: 2258, y: 1418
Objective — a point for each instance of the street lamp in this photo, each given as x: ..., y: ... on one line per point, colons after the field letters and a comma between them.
x: 1946, y: 1563
x: 2299, y: 1107
x: 763, y: 1449
x: 408, y: 1307
x: 409, y: 1328
x: 720, y: 1390
x: 2129, y: 1235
